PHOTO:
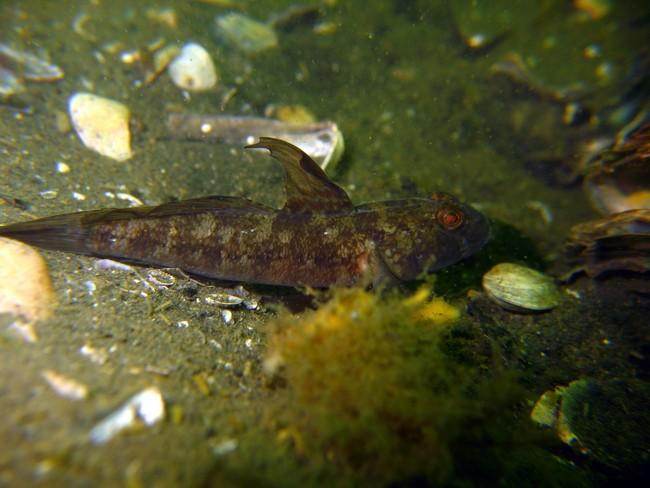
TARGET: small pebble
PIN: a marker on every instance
(97, 356)
(225, 447)
(604, 71)
(61, 167)
(193, 69)
(49, 194)
(592, 51)
(226, 316)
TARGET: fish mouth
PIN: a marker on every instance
(476, 236)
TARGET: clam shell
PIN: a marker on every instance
(521, 289)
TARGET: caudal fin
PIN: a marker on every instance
(58, 233)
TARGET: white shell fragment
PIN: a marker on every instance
(521, 289)
(25, 286)
(65, 386)
(146, 408)
(193, 69)
(102, 125)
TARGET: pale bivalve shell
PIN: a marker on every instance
(102, 125)
(193, 69)
(521, 289)
(25, 287)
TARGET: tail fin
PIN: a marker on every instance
(58, 233)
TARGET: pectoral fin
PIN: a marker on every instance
(307, 186)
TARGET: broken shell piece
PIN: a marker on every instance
(549, 411)
(617, 243)
(102, 125)
(65, 386)
(546, 409)
(17, 65)
(25, 287)
(146, 408)
(604, 419)
(193, 69)
(323, 141)
(161, 59)
(10, 83)
(244, 33)
(521, 289)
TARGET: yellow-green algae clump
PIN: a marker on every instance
(367, 391)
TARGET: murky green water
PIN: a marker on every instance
(419, 91)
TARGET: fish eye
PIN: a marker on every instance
(450, 218)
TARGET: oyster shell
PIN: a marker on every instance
(520, 288)
(617, 243)
(619, 180)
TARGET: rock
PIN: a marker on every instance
(193, 69)
(102, 125)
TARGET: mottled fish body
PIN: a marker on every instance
(317, 239)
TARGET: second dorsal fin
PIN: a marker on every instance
(307, 186)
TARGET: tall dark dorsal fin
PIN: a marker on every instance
(308, 187)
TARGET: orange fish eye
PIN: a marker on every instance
(450, 218)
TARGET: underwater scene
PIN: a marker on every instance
(328, 243)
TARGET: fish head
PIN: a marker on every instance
(459, 229)
(424, 235)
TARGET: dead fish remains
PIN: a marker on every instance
(317, 239)
(323, 141)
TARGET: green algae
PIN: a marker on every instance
(367, 390)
